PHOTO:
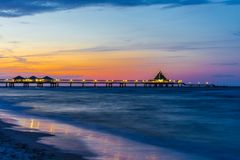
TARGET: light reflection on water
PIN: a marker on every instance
(86, 142)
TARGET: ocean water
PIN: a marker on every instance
(132, 123)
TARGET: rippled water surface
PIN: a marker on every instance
(171, 122)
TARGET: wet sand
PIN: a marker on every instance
(74, 143)
(19, 145)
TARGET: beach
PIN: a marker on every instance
(18, 145)
(123, 124)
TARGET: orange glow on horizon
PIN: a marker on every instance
(99, 65)
(102, 65)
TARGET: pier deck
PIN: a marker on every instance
(89, 83)
(160, 80)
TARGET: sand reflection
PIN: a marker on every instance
(79, 140)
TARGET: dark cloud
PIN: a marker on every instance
(232, 2)
(17, 8)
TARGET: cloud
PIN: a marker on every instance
(236, 34)
(226, 64)
(186, 46)
(6, 50)
(176, 56)
(14, 42)
(24, 22)
(20, 59)
(77, 68)
(224, 75)
(17, 8)
(232, 2)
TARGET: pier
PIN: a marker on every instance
(160, 80)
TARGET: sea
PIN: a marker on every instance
(130, 123)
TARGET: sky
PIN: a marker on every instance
(195, 41)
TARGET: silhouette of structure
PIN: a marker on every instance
(33, 78)
(18, 79)
(160, 80)
(160, 76)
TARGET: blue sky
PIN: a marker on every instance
(189, 40)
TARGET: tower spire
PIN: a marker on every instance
(160, 76)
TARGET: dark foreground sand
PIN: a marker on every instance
(18, 145)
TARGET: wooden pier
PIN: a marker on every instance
(90, 83)
(159, 81)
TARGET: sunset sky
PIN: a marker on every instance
(121, 39)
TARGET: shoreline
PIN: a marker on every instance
(51, 140)
(24, 145)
